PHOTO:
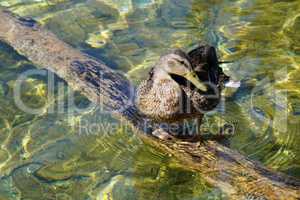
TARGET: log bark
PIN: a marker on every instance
(236, 175)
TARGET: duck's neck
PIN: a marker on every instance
(160, 74)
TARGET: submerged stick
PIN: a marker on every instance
(237, 176)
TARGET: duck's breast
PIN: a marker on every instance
(161, 101)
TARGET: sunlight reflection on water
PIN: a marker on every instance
(46, 152)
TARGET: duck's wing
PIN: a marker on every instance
(205, 62)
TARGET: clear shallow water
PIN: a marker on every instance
(45, 157)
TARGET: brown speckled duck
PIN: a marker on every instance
(181, 86)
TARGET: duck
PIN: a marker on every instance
(181, 86)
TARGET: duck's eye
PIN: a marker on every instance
(181, 62)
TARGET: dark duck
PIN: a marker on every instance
(181, 86)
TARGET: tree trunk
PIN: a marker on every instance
(233, 173)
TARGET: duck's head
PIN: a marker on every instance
(177, 63)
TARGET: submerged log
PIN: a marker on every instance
(236, 175)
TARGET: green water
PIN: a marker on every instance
(45, 156)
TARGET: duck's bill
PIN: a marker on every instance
(193, 78)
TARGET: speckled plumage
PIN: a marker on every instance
(160, 99)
